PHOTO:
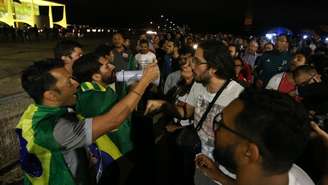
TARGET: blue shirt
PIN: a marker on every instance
(272, 63)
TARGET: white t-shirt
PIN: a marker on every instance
(200, 98)
(144, 59)
(274, 82)
(298, 177)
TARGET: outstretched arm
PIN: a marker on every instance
(112, 119)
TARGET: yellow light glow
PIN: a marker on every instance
(27, 11)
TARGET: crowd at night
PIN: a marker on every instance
(165, 101)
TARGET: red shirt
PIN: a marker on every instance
(245, 76)
(285, 86)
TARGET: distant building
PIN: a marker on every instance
(13, 12)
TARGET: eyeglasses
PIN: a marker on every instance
(198, 61)
(307, 82)
(220, 124)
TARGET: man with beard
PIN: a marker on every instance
(250, 55)
(213, 67)
(259, 136)
(169, 63)
(54, 141)
(95, 73)
(123, 60)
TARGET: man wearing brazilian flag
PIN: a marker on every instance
(95, 73)
(54, 143)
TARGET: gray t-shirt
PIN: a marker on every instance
(74, 138)
(172, 80)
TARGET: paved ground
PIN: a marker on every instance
(147, 164)
(14, 57)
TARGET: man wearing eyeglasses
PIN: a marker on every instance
(259, 136)
(312, 89)
(306, 75)
(212, 66)
(284, 82)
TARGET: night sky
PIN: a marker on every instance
(202, 15)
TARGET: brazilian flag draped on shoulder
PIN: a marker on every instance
(94, 100)
(40, 155)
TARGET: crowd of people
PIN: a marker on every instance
(259, 108)
(28, 33)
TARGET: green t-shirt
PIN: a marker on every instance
(94, 100)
